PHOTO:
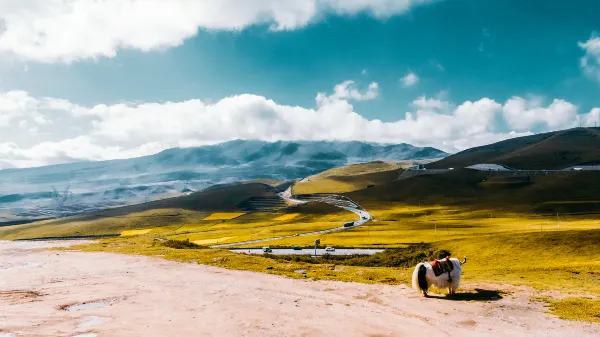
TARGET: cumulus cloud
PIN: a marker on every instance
(409, 80)
(430, 103)
(18, 106)
(523, 114)
(135, 129)
(590, 62)
(70, 30)
(592, 118)
(347, 91)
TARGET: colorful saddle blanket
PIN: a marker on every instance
(442, 266)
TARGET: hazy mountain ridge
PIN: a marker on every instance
(93, 185)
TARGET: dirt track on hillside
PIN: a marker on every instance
(118, 295)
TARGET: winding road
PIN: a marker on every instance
(331, 199)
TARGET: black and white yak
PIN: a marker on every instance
(442, 274)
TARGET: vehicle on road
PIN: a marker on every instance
(267, 250)
(349, 224)
(330, 249)
(296, 248)
(364, 217)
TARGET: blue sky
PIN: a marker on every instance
(481, 71)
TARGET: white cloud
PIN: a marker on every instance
(70, 30)
(80, 148)
(347, 91)
(590, 62)
(425, 103)
(18, 107)
(134, 129)
(410, 79)
(364, 72)
(592, 118)
(522, 114)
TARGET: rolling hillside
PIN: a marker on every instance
(28, 193)
(552, 150)
(568, 192)
(170, 214)
(349, 178)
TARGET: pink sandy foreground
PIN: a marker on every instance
(49, 293)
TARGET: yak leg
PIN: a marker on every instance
(451, 289)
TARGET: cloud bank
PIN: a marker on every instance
(71, 30)
(124, 130)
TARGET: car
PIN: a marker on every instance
(297, 248)
(364, 217)
(330, 249)
(267, 250)
(349, 224)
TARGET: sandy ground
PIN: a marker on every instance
(47, 293)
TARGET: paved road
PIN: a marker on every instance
(364, 217)
(309, 251)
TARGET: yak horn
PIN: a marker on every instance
(464, 261)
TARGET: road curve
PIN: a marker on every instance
(364, 217)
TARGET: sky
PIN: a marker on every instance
(110, 79)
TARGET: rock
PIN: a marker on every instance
(269, 267)
(300, 271)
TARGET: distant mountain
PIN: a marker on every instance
(552, 150)
(95, 185)
(5, 165)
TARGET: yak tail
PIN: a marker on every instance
(464, 261)
(419, 282)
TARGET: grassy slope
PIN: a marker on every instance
(553, 150)
(186, 218)
(349, 178)
(169, 213)
(566, 192)
(356, 169)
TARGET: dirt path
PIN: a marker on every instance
(140, 296)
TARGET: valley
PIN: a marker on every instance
(528, 237)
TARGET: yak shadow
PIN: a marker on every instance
(478, 295)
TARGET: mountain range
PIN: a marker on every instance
(86, 186)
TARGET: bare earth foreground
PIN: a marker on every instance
(50, 293)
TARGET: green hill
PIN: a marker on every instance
(568, 192)
(349, 178)
(552, 150)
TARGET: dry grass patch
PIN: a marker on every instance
(135, 232)
(286, 217)
(576, 308)
(223, 216)
(213, 241)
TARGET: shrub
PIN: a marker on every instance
(181, 244)
(442, 253)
